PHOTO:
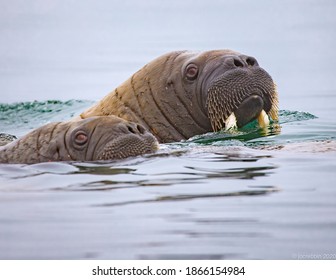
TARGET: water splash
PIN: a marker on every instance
(286, 116)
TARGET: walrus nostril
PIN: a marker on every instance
(141, 129)
(244, 61)
(136, 129)
(251, 61)
(131, 129)
(237, 62)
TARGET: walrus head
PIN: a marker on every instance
(182, 94)
(231, 88)
(106, 138)
(91, 139)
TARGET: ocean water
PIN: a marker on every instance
(252, 194)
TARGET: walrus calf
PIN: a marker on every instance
(92, 139)
(182, 94)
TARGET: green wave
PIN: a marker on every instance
(18, 118)
(286, 116)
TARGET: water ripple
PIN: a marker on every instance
(183, 197)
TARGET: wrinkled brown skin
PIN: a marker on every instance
(172, 107)
(92, 139)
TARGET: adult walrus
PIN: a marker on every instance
(182, 94)
(92, 139)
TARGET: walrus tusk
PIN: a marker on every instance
(231, 122)
(263, 119)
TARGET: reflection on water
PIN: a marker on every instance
(118, 174)
(226, 204)
(192, 196)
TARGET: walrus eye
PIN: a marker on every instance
(191, 71)
(81, 138)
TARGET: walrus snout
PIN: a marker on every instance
(132, 140)
(241, 94)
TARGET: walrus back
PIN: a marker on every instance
(33, 147)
